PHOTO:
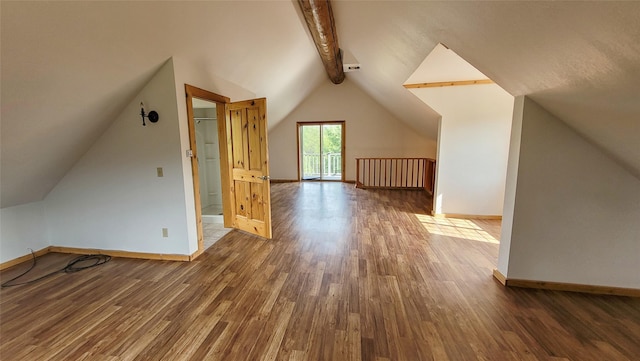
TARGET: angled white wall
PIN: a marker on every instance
(112, 199)
(371, 131)
(473, 146)
(510, 186)
(574, 210)
(22, 227)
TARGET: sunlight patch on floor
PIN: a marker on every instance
(459, 228)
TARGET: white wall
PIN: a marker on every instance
(575, 211)
(22, 227)
(510, 186)
(112, 198)
(473, 147)
(371, 131)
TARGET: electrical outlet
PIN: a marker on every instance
(160, 172)
(165, 232)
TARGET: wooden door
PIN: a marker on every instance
(250, 201)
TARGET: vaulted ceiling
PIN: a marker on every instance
(68, 68)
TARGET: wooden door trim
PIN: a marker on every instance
(220, 100)
(343, 148)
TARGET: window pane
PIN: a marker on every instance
(310, 144)
(332, 151)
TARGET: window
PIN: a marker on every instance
(321, 150)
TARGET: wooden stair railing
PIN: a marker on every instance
(396, 173)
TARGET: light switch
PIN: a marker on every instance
(160, 172)
(165, 232)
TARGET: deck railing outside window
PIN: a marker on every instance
(391, 173)
(331, 162)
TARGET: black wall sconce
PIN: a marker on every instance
(152, 116)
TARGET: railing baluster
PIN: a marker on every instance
(374, 172)
(385, 173)
(404, 172)
(390, 173)
(369, 183)
(412, 166)
(397, 173)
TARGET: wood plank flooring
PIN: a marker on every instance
(350, 275)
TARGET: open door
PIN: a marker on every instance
(248, 164)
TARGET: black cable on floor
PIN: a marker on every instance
(75, 265)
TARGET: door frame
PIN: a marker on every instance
(342, 146)
(220, 100)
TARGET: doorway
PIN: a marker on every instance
(207, 145)
(229, 164)
(205, 119)
(321, 151)
(204, 110)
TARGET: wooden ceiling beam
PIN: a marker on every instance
(448, 83)
(319, 18)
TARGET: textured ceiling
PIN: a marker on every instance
(68, 68)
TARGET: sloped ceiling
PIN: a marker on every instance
(69, 67)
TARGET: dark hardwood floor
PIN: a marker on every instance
(349, 275)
